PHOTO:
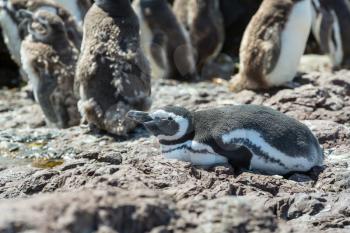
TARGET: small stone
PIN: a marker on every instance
(300, 178)
(88, 155)
(108, 170)
(112, 158)
(72, 165)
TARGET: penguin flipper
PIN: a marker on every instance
(43, 91)
(323, 29)
(157, 49)
(238, 156)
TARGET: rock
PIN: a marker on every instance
(87, 211)
(40, 179)
(336, 176)
(115, 210)
(109, 184)
(71, 165)
(111, 158)
(330, 134)
(229, 214)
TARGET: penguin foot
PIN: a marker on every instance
(235, 84)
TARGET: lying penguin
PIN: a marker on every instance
(246, 136)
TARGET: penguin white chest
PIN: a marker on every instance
(293, 42)
(193, 152)
(28, 68)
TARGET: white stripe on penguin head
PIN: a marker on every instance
(181, 121)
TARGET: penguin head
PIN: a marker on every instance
(152, 3)
(167, 124)
(115, 7)
(45, 26)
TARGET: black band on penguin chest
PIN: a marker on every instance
(181, 140)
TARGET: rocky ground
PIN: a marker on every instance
(75, 181)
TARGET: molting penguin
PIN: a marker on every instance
(273, 44)
(15, 29)
(204, 21)
(331, 28)
(165, 41)
(246, 136)
(113, 76)
(49, 59)
(77, 8)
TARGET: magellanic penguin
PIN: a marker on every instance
(331, 29)
(204, 21)
(113, 75)
(78, 8)
(49, 59)
(243, 136)
(15, 30)
(165, 41)
(273, 44)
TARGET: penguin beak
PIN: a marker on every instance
(139, 116)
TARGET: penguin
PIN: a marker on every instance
(77, 8)
(331, 29)
(49, 59)
(205, 24)
(242, 136)
(272, 44)
(15, 30)
(236, 15)
(165, 41)
(113, 75)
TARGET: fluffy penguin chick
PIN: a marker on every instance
(246, 136)
(165, 41)
(15, 29)
(113, 76)
(273, 44)
(49, 59)
(331, 28)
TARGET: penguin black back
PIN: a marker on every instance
(276, 127)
